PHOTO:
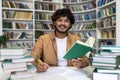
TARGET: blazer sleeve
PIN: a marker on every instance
(37, 50)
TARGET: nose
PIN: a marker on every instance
(62, 22)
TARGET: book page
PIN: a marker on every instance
(80, 42)
(90, 41)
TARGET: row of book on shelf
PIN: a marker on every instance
(76, 1)
(19, 44)
(16, 25)
(12, 4)
(84, 26)
(84, 35)
(46, 6)
(52, 6)
(19, 35)
(78, 26)
(17, 62)
(43, 25)
(83, 7)
(86, 16)
(108, 22)
(108, 34)
(42, 16)
(78, 17)
(38, 5)
(103, 2)
(107, 63)
(17, 14)
(107, 12)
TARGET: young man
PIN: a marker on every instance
(51, 48)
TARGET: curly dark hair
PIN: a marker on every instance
(63, 12)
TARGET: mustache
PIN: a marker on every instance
(62, 25)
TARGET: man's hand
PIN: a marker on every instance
(77, 62)
(42, 67)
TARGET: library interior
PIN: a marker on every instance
(26, 24)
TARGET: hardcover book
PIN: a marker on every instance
(79, 49)
(8, 66)
(26, 58)
(105, 76)
(12, 51)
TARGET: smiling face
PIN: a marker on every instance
(62, 24)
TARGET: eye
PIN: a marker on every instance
(67, 21)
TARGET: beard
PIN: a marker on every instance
(62, 31)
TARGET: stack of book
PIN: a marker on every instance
(107, 63)
(17, 62)
(11, 53)
(24, 75)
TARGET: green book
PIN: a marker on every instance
(79, 49)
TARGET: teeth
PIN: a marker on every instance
(62, 26)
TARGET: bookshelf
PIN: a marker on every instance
(84, 12)
(42, 19)
(85, 17)
(25, 20)
(17, 22)
(106, 22)
(87, 22)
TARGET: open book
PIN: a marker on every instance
(79, 49)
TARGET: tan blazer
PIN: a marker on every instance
(46, 48)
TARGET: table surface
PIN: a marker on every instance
(60, 73)
(65, 73)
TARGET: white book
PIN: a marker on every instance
(7, 64)
(97, 64)
(15, 69)
(21, 74)
(108, 70)
(110, 53)
(105, 76)
(113, 47)
(102, 67)
(107, 54)
(23, 79)
(3, 57)
(110, 48)
(13, 51)
(26, 58)
(31, 69)
(105, 59)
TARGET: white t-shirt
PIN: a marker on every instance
(61, 50)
